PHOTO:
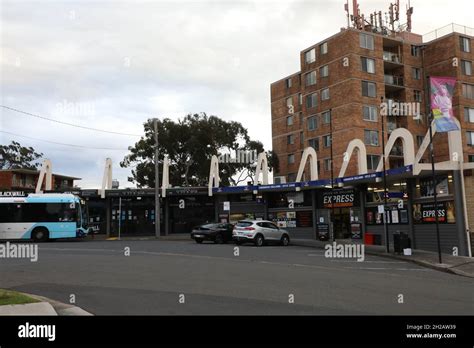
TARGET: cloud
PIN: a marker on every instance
(117, 63)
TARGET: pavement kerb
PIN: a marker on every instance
(438, 267)
(62, 309)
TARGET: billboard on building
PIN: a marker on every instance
(442, 91)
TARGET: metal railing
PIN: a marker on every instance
(448, 29)
(393, 80)
(392, 57)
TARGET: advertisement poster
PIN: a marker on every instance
(442, 90)
(426, 213)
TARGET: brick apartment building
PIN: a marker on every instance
(25, 180)
(344, 78)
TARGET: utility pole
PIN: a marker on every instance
(332, 181)
(157, 182)
(385, 193)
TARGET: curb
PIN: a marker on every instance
(37, 308)
(438, 267)
(62, 309)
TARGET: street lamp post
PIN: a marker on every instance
(385, 215)
(157, 182)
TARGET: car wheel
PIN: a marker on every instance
(285, 240)
(219, 239)
(259, 240)
(199, 241)
(40, 235)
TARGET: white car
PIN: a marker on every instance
(259, 232)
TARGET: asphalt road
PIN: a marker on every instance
(154, 277)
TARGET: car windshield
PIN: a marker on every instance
(209, 226)
(244, 224)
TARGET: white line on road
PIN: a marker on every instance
(390, 269)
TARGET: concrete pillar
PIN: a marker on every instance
(459, 209)
(313, 210)
(411, 196)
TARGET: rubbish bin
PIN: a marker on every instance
(368, 239)
(401, 241)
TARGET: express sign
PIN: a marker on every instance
(339, 198)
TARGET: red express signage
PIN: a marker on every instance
(339, 199)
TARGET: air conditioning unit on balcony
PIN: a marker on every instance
(279, 179)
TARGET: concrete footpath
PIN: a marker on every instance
(46, 306)
(459, 265)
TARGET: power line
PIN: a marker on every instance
(68, 124)
(64, 144)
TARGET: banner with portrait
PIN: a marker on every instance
(442, 91)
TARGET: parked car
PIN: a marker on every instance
(218, 233)
(259, 232)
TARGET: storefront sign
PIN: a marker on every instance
(356, 231)
(13, 194)
(323, 231)
(339, 199)
(426, 212)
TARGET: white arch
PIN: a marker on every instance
(407, 143)
(165, 181)
(361, 157)
(213, 174)
(313, 164)
(106, 178)
(262, 167)
(45, 171)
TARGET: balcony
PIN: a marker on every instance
(392, 57)
(397, 151)
(393, 83)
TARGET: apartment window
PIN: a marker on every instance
(415, 51)
(468, 91)
(327, 164)
(470, 138)
(466, 67)
(366, 41)
(369, 89)
(323, 48)
(301, 138)
(311, 100)
(290, 139)
(370, 113)
(470, 158)
(326, 116)
(324, 71)
(417, 96)
(325, 94)
(312, 123)
(372, 162)
(300, 114)
(288, 82)
(469, 115)
(314, 143)
(419, 139)
(291, 158)
(289, 121)
(310, 56)
(465, 44)
(310, 78)
(371, 137)
(416, 72)
(300, 99)
(326, 140)
(368, 65)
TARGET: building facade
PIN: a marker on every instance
(346, 79)
(25, 180)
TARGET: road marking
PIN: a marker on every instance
(389, 269)
(355, 260)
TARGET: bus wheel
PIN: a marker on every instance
(40, 234)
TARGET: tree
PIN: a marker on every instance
(15, 156)
(189, 143)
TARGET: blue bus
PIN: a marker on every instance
(43, 216)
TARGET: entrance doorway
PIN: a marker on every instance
(342, 223)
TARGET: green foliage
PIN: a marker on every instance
(190, 143)
(15, 156)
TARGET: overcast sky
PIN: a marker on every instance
(113, 64)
